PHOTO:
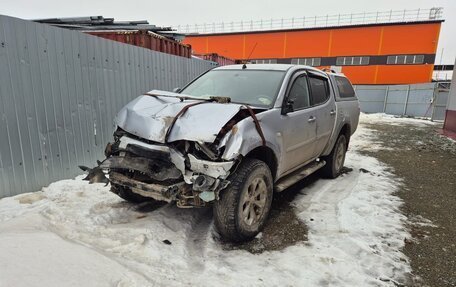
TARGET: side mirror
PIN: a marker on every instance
(177, 90)
(288, 106)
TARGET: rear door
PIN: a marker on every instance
(322, 100)
(299, 127)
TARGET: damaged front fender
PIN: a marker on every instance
(244, 136)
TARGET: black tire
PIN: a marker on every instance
(232, 212)
(333, 166)
(126, 194)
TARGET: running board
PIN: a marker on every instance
(297, 175)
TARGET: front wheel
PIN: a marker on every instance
(335, 160)
(243, 207)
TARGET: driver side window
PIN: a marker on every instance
(298, 96)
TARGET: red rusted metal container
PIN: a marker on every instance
(222, 61)
(146, 39)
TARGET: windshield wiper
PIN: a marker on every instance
(220, 100)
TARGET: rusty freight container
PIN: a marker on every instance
(145, 39)
(214, 57)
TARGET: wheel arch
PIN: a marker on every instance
(267, 155)
(346, 131)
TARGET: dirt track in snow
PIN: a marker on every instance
(427, 164)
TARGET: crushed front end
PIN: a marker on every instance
(189, 173)
(171, 148)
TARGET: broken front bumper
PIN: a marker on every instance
(160, 192)
(163, 173)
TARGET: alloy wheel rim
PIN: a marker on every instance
(254, 201)
(340, 156)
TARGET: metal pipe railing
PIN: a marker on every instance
(390, 16)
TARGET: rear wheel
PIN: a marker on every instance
(243, 207)
(335, 160)
(126, 194)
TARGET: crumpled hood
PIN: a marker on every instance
(150, 117)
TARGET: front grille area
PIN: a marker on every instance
(147, 165)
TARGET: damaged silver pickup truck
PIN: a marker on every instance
(229, 139)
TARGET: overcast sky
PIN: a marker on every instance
(175, 12)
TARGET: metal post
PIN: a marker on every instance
(386, 98)
(406, 100)
(434, 99)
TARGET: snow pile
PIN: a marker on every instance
(396, 120)
(76, 234)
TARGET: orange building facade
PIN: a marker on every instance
(398, 53)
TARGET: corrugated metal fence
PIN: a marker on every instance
(59, 92)
(419, 100)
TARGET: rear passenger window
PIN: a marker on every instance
(299, 93)
(345, 88)
(320, 90)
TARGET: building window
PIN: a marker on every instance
(265, 61)
(314, 62)
(352, 61)
(405, 59)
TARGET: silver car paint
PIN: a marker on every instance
(149, 117)
(244, 137)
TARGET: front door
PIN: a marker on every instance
(299, 124)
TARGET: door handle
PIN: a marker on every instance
(311, 119)
(332, 112)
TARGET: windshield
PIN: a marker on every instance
(252, 87)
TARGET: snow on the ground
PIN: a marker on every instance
(76, 234)
(396, 120)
